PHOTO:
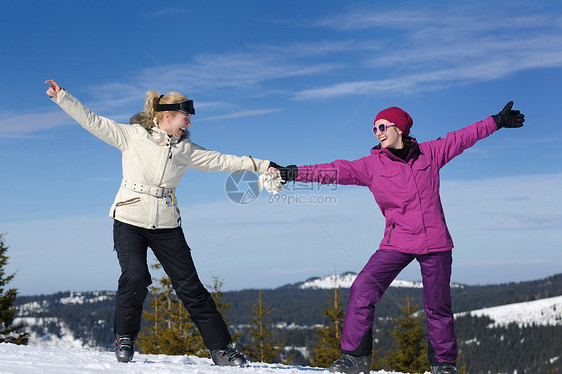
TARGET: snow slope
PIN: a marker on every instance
(50, 360)
(64, 340)
(543, 312)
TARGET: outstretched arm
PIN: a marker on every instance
(111, 132)
(344, 172)
(444, 150)
(206, 160)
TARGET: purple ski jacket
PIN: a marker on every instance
(407, 192)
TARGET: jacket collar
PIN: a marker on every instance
(414, 152)
(162, 138)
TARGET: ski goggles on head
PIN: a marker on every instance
(382, 127)
(185, 106)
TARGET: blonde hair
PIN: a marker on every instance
(152, 100)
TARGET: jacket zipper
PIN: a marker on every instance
(390, 233)
(421, 210)
(168, 157)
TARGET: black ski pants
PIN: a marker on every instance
(171, 249)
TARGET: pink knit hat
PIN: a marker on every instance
(399, 117)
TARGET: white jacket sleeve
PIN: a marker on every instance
(111, 132)
(205, 160)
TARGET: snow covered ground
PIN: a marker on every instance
(543, 312)
(51, 360)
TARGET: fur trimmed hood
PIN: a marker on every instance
(143, 119)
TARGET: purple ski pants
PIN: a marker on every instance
(371, 283)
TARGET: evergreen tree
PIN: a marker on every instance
(327, 347)
(263, 347)
(149, 339)
(410, 354)
(216, 292)
(461, 364)
(378, 359)
(8, 332)
(169, 328)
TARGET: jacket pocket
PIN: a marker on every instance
(390, 232)
(128, 202)
(421, 163)
(132, 201)
(389, 173)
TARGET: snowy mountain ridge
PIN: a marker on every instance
(345, 280)
(73, 299)
(542, 312)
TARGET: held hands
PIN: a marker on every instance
(508, 117)
(287, 173)
(276, 176)
(54, 89)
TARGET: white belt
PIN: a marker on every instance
(149, 190)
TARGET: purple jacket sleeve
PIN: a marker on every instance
(337, 172)
(444, 150)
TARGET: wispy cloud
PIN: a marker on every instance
(475, 68)
(223, 75)
(320, 48)
(248, 113)
(518, 204)
(443, 48)
(238, 70)
(16, 125)
(438, 48)
(366, 19)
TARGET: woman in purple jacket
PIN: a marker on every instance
(403, 176)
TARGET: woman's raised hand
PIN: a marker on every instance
(508, 117)
(54, 89)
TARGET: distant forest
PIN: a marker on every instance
(531, 349)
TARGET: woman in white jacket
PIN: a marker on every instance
(156, 153)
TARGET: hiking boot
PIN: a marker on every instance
(228, 357)
(444, 369)
(350, 364)
(124, 347)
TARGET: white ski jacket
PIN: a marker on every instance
(153, 164)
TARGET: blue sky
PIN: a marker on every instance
(290, 81)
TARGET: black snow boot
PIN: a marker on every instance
(228, 357)
(444, 369)
(124, 347)
(350, 364)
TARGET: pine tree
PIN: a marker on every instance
(410, 354)
(8, 332)
(263, 347)
(169, 329)
(461, 364)
(149, 339)
(378, 360)
(327, 347)
(216, 293)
